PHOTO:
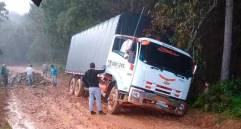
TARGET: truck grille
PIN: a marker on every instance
(163, 89)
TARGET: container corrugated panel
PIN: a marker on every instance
(94, 44)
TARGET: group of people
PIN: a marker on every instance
(91, 77)
(53, 73)
(4, 74)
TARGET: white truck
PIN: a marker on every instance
(139, 70)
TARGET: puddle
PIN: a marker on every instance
(15, 117)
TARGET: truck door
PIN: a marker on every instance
(121, 61)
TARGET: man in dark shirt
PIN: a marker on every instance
(94, 90)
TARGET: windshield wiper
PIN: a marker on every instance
(152, 67)
(182, 75)
(178, 75)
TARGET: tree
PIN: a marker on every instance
(3, 12)
(3, 16)
(60, 19)
(186, 17)
(227, 40)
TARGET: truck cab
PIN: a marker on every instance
(147, 72)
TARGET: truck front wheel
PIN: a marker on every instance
(79, 88)
(72, 86)
(113, 104)
(181, 109)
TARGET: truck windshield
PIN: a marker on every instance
(166, 59)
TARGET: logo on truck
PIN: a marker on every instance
(115, 64)
(167, 79)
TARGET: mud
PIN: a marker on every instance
(47, 107)
(3, 122)
(19, 78)
(16, 118)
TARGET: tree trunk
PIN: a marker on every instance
(132, 5)
(227, 40)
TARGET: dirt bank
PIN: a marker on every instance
(3, 123)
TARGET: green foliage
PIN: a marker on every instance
(223, 97)
(185, 16)
(58, 20)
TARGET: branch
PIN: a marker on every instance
(196, 29)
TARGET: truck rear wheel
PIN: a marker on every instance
(113, 104)
(72, 86)
(79, 88)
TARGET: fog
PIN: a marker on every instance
(22, 42)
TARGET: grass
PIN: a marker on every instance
(223, 97)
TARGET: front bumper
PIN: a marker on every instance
(141, 97)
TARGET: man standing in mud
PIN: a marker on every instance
(4, 75)
(94, 90)
(29, 72)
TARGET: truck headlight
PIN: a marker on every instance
(136, 93)
(182, 107)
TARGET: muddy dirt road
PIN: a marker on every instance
(46, 107)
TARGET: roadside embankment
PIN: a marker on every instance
(3, 123)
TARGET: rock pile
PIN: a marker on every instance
(20, 79)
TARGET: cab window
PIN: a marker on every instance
(125, 48)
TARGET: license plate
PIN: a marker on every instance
(157, 97)
(149, 96)
(162, 104)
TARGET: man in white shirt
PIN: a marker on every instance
(29, 71)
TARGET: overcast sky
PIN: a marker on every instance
(18, 6)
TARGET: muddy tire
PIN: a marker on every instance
(182, 112)
(105, 98)
(72, 84)
(79, 88)
(113, 104)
